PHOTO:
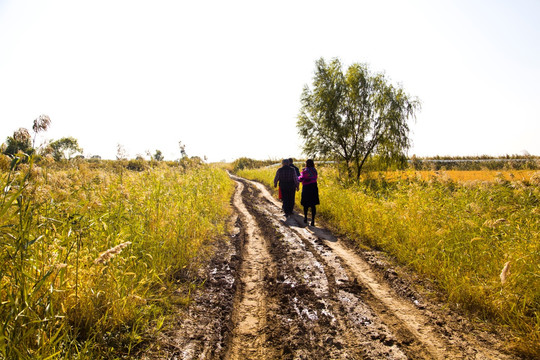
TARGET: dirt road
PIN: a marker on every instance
(283, 290)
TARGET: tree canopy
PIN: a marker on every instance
(64, 148)
(158, 156)
(350, 117)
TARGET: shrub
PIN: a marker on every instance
(137, 165)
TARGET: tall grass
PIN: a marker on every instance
(90, 256)
(478, 240)
(461, 175)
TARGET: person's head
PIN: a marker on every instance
(310, 163)
(290, 161)
(285, 162)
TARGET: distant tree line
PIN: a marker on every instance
(483, 162)
(436, 163)
(247, 163)
(21, 146)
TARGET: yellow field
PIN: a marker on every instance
(461, 175)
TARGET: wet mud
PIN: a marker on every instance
(282, 290)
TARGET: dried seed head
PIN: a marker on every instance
(505, 272)
(41, 123)
(21, 135)
(111, 253)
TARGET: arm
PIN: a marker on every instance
(305, 176)
(276, 178)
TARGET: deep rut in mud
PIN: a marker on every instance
(283, 290)
(251, 306)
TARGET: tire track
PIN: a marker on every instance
(250, 307)
(354, 330)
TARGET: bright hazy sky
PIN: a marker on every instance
(225, 77)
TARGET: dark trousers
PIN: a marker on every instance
(288, 192)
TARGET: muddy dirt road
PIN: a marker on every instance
(284, 290)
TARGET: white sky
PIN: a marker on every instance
(225, 77)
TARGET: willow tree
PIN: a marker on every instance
(353, 116)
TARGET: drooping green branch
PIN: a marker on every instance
(354, 116)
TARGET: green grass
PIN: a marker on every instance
(90, 257)
(459, 234)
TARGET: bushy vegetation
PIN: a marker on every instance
(22, 143)
(92, 252)
(247, 163)
(479, 241)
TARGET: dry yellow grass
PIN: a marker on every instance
(89, 253)
(461, 175)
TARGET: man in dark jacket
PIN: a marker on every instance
(294, 167)
(288, 182)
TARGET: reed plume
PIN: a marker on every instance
(504, 272)
(111, 253)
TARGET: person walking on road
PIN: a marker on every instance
(288, 183)
(310, 191)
